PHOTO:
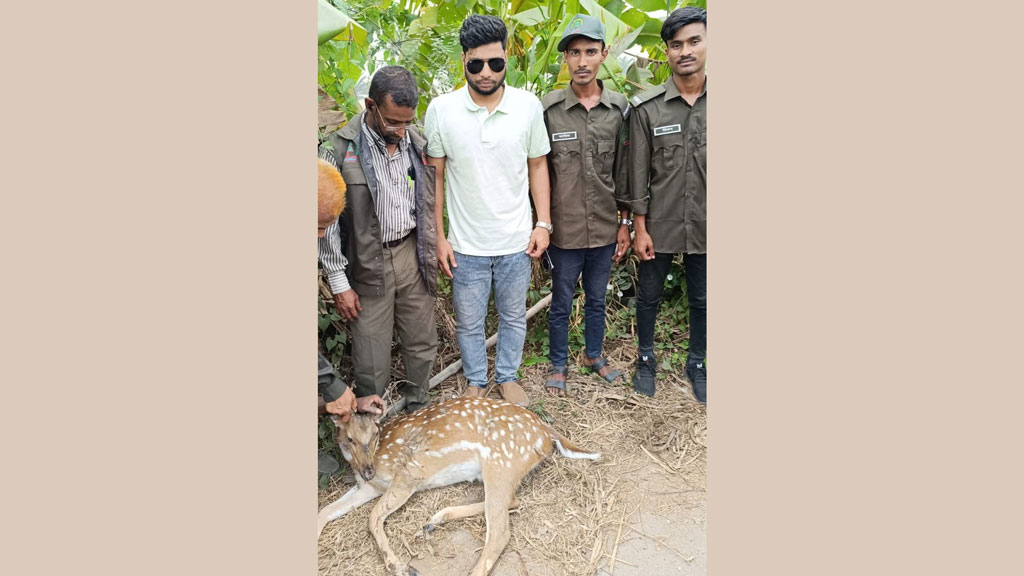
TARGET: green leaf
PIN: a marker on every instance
(634, 18)
(613, 27)
(531, 17)
(323, 322)
(651, 5)
(534, 360)
(334, 24)
(614, 6)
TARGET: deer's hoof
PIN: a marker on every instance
(401, 570)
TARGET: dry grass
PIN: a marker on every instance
(571, 512)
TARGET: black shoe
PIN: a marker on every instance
(326, 464)
(643, 379)
(698, 377)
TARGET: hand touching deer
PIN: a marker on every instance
(457, 440)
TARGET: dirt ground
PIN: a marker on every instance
(638, 510)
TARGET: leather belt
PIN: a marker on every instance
(395, 243)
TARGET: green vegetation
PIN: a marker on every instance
(357, 38)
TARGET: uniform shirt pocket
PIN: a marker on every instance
(605, 156)
(566, 158)
(668, 151)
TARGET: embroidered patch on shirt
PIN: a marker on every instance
(350, 153)
(662, 130)
(562, 136)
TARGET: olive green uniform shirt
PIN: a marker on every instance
(668, 155)
(587, 166)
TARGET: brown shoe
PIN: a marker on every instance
(513, 392)
(474, 391)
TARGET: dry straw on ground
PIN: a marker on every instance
(572, 512)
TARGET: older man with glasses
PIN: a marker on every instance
(489, 145)
(381, 255)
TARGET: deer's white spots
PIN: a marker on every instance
(400, 441)
(503, 432)
(447, 426)
(440, 435)
(462, 413)
(527, 436)
(458, 425)
(540, 442)
(522, 449)
(383, 456)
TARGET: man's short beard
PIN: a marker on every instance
(497, 85)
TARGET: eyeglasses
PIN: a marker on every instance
(389, 127)
(476, 65)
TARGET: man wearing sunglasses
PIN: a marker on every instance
(489, 145)
(587, 125)
(381, 255)
(668, 153)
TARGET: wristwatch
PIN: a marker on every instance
(626, 222)
(544, 225)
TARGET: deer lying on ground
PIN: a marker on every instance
(457, 440)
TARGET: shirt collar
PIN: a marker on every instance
(571, 99)
(473, 106)
(379, 141)
(672, 92)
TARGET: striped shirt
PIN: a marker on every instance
(395, 204)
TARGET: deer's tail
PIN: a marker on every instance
(570, 450)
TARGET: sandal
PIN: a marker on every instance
(598, 365)
(558, 385)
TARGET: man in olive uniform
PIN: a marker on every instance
(589, 180)
(668, 153)
(381, 255)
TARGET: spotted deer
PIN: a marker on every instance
(458, 440)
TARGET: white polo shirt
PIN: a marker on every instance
(487, 185)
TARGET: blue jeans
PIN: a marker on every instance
(471, 291)
(595, 264)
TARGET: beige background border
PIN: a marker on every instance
(158, 303)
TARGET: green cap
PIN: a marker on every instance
(581, 25)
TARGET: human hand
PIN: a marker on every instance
(445, 256)
(644, 246)
(621, 244)
(347, 304)
(372, 404)
(343, 406)
(539, 240)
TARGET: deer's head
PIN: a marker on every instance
(358, 439)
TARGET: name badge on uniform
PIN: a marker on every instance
(662, 130)
(562, 136)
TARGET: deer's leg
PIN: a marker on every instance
(397, 494)
(498, 495)
(456, 512)
(352, 499)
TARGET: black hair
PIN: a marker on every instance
(398, 82)
(681, 17)
(478, 30)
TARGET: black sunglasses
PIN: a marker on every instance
(476, 65)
